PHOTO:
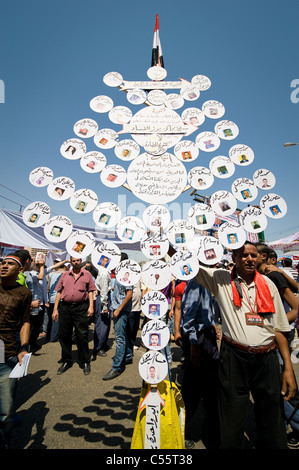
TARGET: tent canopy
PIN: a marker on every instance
(14, 231)
(288, 243)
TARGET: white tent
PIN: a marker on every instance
(13, 231)
(288, 243)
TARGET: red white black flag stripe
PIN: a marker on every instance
(157, 56)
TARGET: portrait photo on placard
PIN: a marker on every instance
(154, 304)
(264, 179)
(83, 201)
(241, 155)
(80, 244)
(201, 216)
(273, 205)
(231, 235)
(253, 220)
(36, 214)
(41, 176)
(58, 228)
(155, 335)
(106, 215)
(153, 367)
(61, 188)
(106, 255)
(128, 272)
(73, 149)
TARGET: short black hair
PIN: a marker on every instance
(235, 251)
(287, 262)
(23, 255)
(272, 254)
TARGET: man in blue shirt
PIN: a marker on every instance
(121, 305)
(195, 327)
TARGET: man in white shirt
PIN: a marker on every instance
(253, 325)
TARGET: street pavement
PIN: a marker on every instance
(74, 411)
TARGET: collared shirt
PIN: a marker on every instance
(233, 318)
(197, 310)
(118, 296)
(15, 303)
(75, 289)
(103, 283)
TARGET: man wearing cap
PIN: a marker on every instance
(74, 304)
(15, 302)
(253, 325)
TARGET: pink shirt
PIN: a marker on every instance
(75, 290)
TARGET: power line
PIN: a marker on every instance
(15, 192)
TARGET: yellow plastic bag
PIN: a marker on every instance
(172, 418)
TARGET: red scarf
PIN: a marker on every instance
(264, 299)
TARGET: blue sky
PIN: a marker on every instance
(54, 56)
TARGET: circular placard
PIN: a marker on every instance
(244, 190)
(193, 116)
(80, 244)
(41, 176)
(222, 167)
(36, 214)
(156, 97)
(155, 335)
(61, 188)
(113, 176)
(130, 229)
(85, 128)
(107, 255)
(136, 96)
(120, 115)
(58, 228)
(231, 235)
(106, 215)
(184, 265)
(174, 101)
(154, 246)
(213, 109)
(210, 250)
(186, 151)
(127, 149)
(200, 178)
(273, 205)
(93, 162)
(153, 367)
(207, 141)
(201, 82)
(157, 179)
(83, 201)
(264, 179)
(73, 149)
(190, 92)
(241, 154)
(156, 217)
(226, 130)
(201, 216)
(113, 79)
(154, 305)
(180, 232)
(156, 274)
(156, 73)
(106, 138)
(253, 220)
(101, 104)
(128, 272)
(223, 203)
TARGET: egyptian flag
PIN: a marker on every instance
(157, 56)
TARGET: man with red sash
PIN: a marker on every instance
(253, 326)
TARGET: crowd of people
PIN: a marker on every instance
(235, 323)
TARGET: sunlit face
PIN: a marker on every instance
(246, 260)
(9, 269)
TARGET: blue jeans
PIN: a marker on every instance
(7, 393)
(123, 350)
